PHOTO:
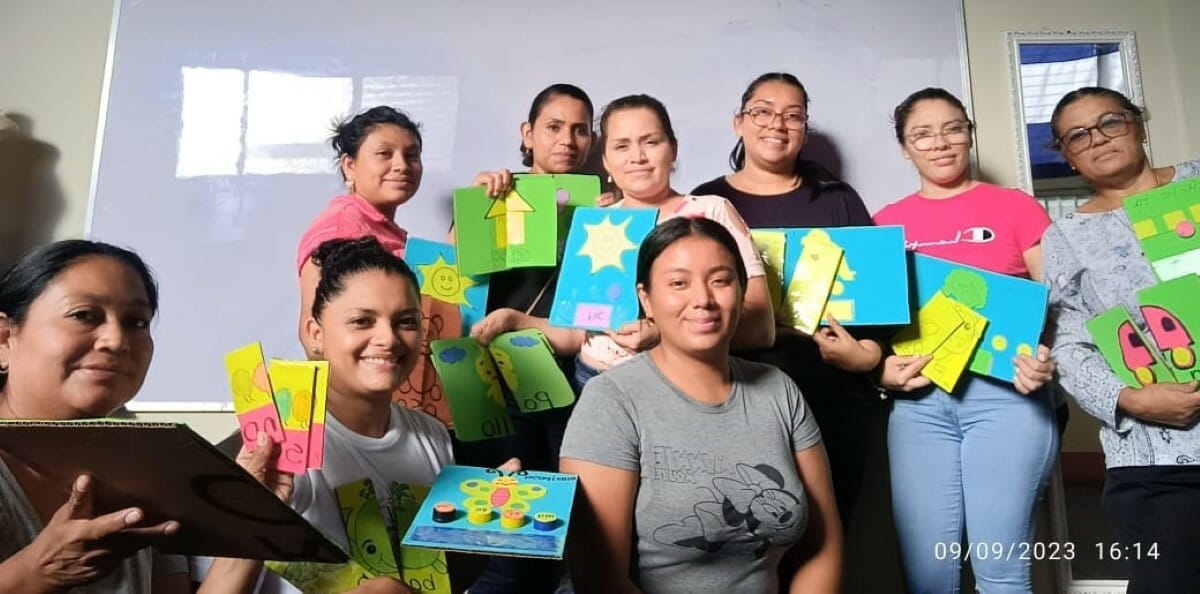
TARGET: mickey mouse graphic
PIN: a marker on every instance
(751, 513)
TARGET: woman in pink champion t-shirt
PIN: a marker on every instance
(976, 458)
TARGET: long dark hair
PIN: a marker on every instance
(28, 278)
(818, 177)
(544, 97)
(340, 258)
(672, 230)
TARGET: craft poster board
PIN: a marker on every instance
(771, 245)
(1172, 316)
(597, 286)
(470, 488)
(517, 230)
(253, 398)
(422, 389)
(301, 389)
(871, 285)
(529, 371)
(473, 391)
(372, 546)
(571, 190)
(1134, 360)
(171, 473)
(807, 287)
(946, 329)
(1015, 309)
(1165, 222)
(435, 265)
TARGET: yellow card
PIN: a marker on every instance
(811, 283)
(250, 387)
(949, 331)
(295, 384)
(770, 246)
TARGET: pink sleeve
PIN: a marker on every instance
(1030, 222)
(723, 212)
(342, 223)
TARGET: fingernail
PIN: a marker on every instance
(133, 517)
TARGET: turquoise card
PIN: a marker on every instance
(597, 280)
(438, 277)
(871, 286)
(484, 510)
(1015, 309)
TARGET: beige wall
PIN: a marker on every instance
(55, 53)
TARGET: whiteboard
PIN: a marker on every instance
(211, 155)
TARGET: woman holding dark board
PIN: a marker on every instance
(1093, 261)
(75, 344)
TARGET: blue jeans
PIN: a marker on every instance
(981, 457)
(583, 373)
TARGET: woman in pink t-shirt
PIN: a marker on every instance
(979, 456)
(379, 156)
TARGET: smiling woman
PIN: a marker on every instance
(685, 414)
(74, 344)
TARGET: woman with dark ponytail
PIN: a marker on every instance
(773, 186)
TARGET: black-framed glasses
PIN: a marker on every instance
(1110, 125)
(764, 116)
(925, 139)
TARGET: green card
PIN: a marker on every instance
(1172, 317)
(527, 365)
(1134, 360)
(424, 570)
(1165, 222)
(366, 532)
(472, 386)
(517, 230)
(576, 189)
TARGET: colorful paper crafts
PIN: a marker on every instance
(1165, 220)
(524, 514)
(475, 377)
(372, 546)
(808, 286)
(771, 247)
(946, 329)
(422, 390)
(1015, 309)
(1132, 358)
(439, 278)
(1167, 351)
(597, 286)
(517, 230)
(297, 404)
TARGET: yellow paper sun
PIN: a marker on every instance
(606, 243)
(444, 283)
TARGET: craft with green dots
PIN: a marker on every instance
(1015, 309)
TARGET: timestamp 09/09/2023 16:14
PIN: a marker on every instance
(1042, 551)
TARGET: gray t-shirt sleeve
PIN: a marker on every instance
(602, 428)
(805, 432)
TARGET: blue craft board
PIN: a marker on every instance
(421, 253)
(1014, 307)
(597, 281)
(873, 277)
(462, 485)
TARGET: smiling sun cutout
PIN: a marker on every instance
(606, 243)
(443, 282)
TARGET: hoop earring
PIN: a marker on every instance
(3, 370)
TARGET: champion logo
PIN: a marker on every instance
(968, 235)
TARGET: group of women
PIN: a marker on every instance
(698, 470)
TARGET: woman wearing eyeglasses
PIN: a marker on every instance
(979, 456)
(1093, 262)
(773, 186)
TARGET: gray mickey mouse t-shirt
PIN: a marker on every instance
(719, 500)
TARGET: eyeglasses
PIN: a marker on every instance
(1109, 125)
(765, 116)
(954, 133)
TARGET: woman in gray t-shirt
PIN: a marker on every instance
(698, 471)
